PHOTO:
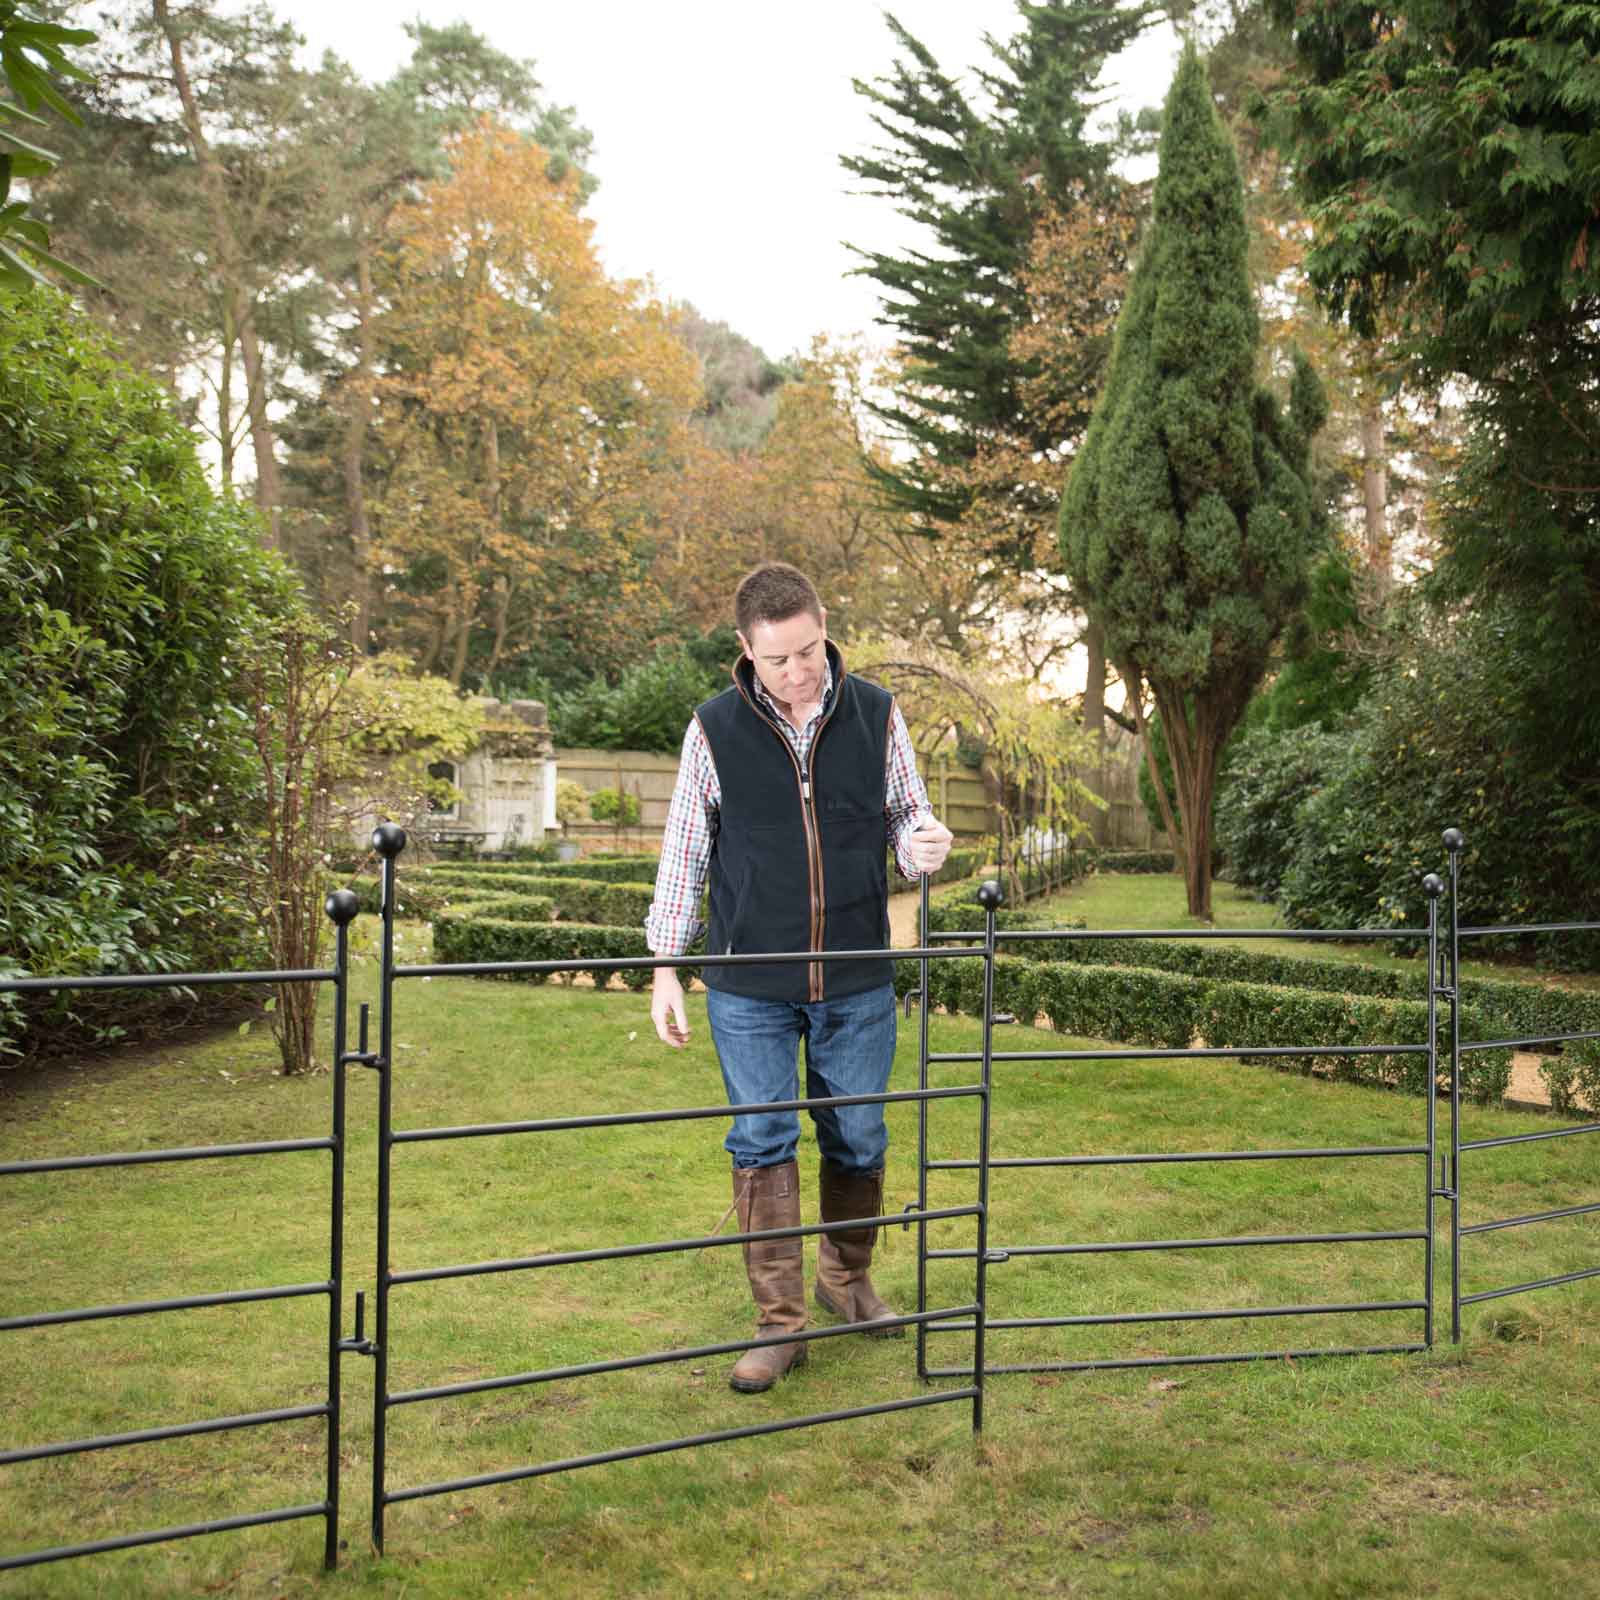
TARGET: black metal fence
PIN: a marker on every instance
(972, 1318)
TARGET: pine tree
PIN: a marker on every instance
(1189, 523)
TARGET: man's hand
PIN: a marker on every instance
(929, 844)
(667, 1010)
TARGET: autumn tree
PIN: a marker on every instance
(1189, 523)
(524, 416)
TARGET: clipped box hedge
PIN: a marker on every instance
(1142, 861)
(612, 904)
(1502, 1008)
(475, 938)
(501, 908)
(1169, 1010)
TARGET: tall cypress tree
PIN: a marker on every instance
(1189, 522)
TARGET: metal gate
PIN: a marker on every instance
(342, 908)
(972, 1318)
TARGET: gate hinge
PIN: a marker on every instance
(996, 1258)
(1444, 1194)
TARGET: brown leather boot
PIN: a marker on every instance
(769, 1197)
(843, 1286)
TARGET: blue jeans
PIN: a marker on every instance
(849, 1050)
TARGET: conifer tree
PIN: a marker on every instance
(1189, 523)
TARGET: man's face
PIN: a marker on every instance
(789, 657)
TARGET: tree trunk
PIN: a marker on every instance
(1168, 821)
(236, 296)
(1194, 751)
(1375, 491)
(269, 493)
(225, 404)
(1094, 719)
(357, 419)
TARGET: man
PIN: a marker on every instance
(794, 784)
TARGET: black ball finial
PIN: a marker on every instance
(990, 895)
(1433, 886)
(388, 839)
(1454, 840)
(342, 906)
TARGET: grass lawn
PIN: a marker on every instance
(1466, 1471)
(1156, 900)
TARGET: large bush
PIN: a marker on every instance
(128, 593)
(650, 704)
(1443, 741)
(1270, 776)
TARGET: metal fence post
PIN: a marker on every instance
(923, 1006)
(1453, 843)
(990, 896)
(341, 907)
(1433, 887)
(388, 840)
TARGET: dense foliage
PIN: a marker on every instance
(130, 592)
(1189, 524)
(1441, 742)
(1270, 776)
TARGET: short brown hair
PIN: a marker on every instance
(773, 592)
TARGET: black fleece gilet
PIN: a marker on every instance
(799, 861)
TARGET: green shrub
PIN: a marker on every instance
(1258, 801)
(616, 905)
(1502, 1008)
(1142, 861)
(1454, 734)
(484, 939)
(1575, 1072)
(610, 805)
(603, 869)
(131, 593)
(499, 908)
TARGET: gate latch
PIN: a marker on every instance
(359, 1345)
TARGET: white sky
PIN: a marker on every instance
(718, 126)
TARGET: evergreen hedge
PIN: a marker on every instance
(1169, 1010)
(473, 938)
(1504, 1008)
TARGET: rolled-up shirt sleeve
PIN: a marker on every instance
(905, 801)
(673, 923)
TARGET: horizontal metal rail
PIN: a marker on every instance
(1001, 1252)
(472, 969)
(1537, 927)
(631, 1118)
(623, 1252)
(587, 1369)
(1533, 1216)
(1069, 935)
(1119, 1318)
(182, 1430)
(141, 1158)
(1114, 1363)
(1522, 1288)
(187, 1530)
(166, 980)
(634, 1452)
(143, 1308)
(1177, 1157)
(1138, 1053)
(1529, 1138)
(1522, 1044)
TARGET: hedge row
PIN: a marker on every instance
(611, 904)
(600, 869)
(1506, 1008)
(1169, 1010)
(1134, 861)
(501, 939)
(502, 908)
